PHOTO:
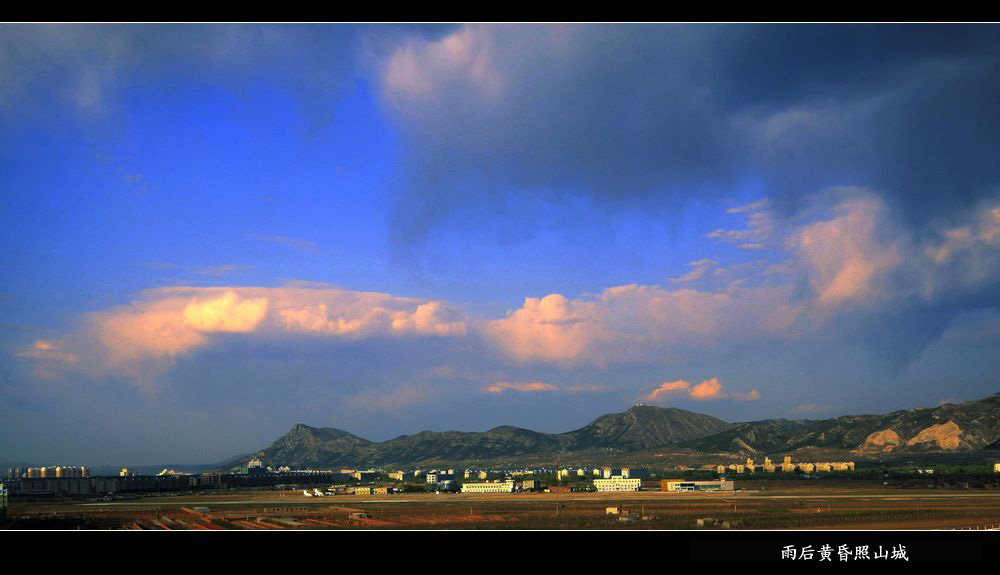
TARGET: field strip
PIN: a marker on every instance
(512, 498)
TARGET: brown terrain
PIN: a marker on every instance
(759, 505)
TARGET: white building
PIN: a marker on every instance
(633, 472)
(489, 487)
(678, 485)
(618, 483)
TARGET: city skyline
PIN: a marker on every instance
(214, 232)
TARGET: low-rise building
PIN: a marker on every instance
(531, 485)
(679, 485)
(618, 483)
(489, 487)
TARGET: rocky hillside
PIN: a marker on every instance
(643, 427)
(970, 425)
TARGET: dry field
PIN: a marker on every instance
(760, 505)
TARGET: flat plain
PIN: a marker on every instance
(767, 504)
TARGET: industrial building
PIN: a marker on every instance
(618, 483)
(679, 485)
(489, 487)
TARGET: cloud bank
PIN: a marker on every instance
(660, 116)
(846, 272)
(707, 390)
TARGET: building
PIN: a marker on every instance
(566, 473)
(439, 477)
(618, 483)
(531, 485)
(3, 502)
(680, 485)
(209, 480)
(633, 472)
(996, 468)
(256, 467)
(609, 472)
(489, 487)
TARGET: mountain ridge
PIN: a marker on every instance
(968, 426)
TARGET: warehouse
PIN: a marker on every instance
(676, 485)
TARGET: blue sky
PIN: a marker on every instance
(212, 233)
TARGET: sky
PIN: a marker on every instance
(212, 233)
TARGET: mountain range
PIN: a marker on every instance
(964, 427)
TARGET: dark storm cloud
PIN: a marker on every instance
(656, 116)
(45, 69)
